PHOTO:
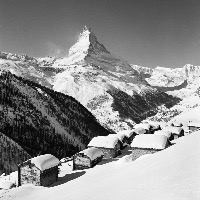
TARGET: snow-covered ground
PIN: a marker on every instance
(169, 174)
(185, 117)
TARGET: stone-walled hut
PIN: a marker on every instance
(122, 137)
(176, 131)
(145, 126)
(168, 134)
(109, 145)
(139, 130)
(40, 171)
(148, 144)
(194, 126)
(130, 134)
(87, 158)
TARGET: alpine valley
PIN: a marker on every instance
(57, 105)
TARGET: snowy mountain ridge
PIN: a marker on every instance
(180, 82)
(185, 70)
(115, 93)
(94, 76)
(87, 50)
(88, 44)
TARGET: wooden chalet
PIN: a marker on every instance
(154, 126)
(145, 126)
(177, 124)
(122, 137)
(139, 130)
(130, 134)
(87, 158)
(168, 134)
(162, 124)
(194, 125)
(176, 131)
(148, 144)
(186, 129)
(40, 171)
(109, 145)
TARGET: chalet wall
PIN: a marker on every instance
(84, 162)
(137, 152)
(30, 174)
(49, 176)
(193, 128)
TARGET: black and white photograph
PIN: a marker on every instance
(99, 99)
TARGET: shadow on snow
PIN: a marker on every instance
(67, 178)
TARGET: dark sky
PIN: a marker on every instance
(144, 32)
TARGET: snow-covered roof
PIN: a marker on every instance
(139, 130)
(194, 123)
(46, 161)
(178, 124)
(163, 132)
(173, 129)
(104, 141)
(128, 133)
(162, 124)
(92, 153)
(150, 141)
(146, 126)
(170, 124)
(154, 124)
(185, 128)
(120, 136)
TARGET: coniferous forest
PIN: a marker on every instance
(41, 120)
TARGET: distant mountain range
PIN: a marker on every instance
(56, 105)
(117, 94)
(179, 82)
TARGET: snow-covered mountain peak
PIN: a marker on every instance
(87, 43)
(89, 51)
(87, 34)
(191, 69)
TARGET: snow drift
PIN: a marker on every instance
(170, 174)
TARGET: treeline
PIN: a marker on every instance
(139, 106)
(11, 154)
(42, 120)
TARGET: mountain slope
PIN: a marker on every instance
(11, 154)
(42, 120)
(87, 50)
(180, 82)
(107, 85)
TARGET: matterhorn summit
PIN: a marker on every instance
(87, 50)
(87, 44)
(106, 84)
